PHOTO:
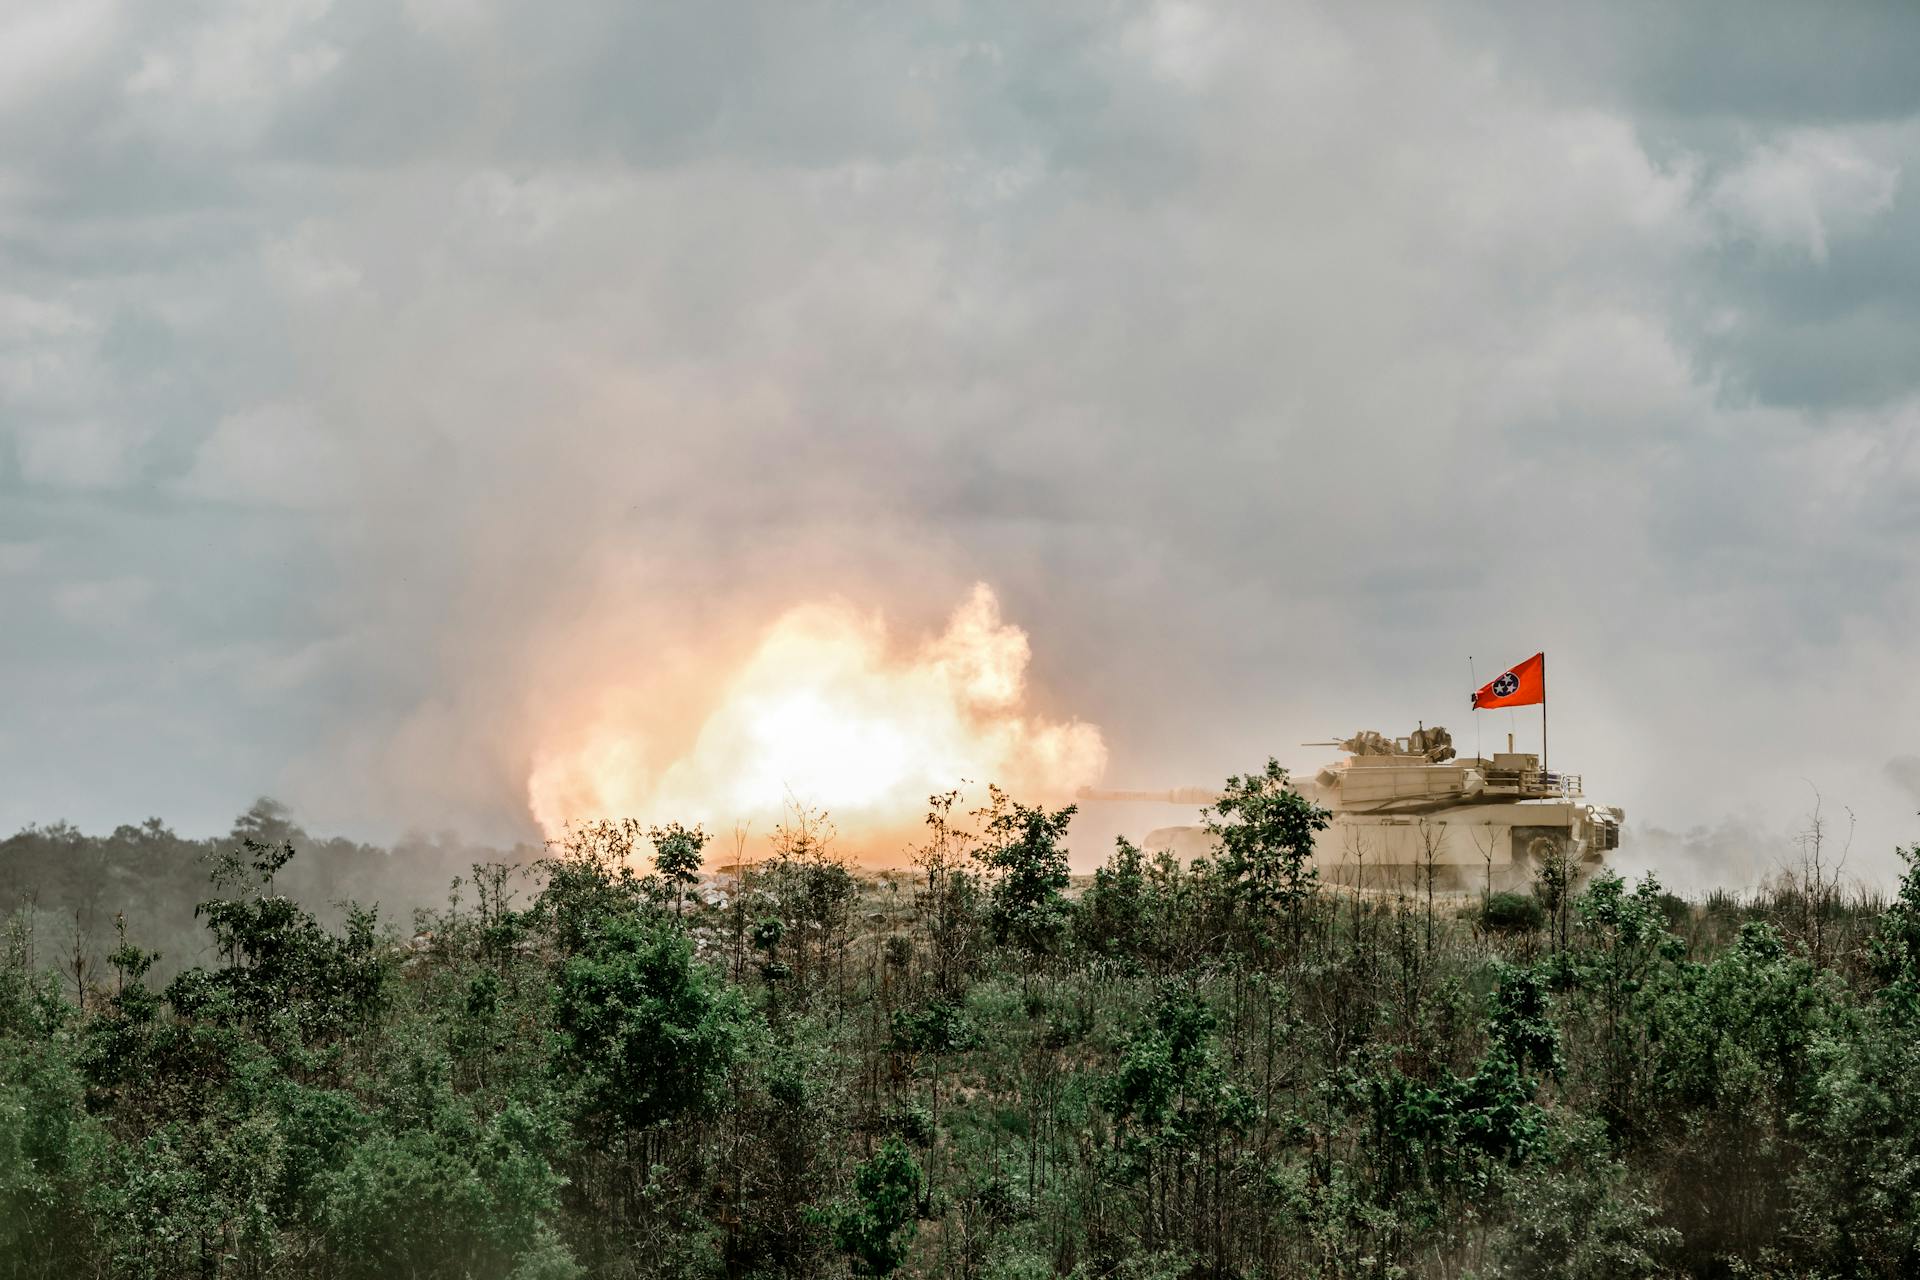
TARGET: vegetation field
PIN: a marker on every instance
(601, 1061)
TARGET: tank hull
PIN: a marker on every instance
(1409, 813)
(1492, 848)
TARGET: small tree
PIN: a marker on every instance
(1022, 850)
(1113, 913)
(1173, 1100)
(589, 879)
(1625, 942)
(949, 904)
(1811, 892)
(280, 962)
(1553, 884)
(649, 1032)
(876, 1228)
(937, 1029)
(1264, 831)
(1894, 952)
(808, 887)
(1486, 839)
(946, 841)
(647, 1038)
(1433, 841)
(676, 856)
(80, 966)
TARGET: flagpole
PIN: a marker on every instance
(1473, 678)
(1543, 714)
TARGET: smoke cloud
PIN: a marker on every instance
(401, 401)
(1733, 855)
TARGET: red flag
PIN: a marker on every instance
(1520, 686)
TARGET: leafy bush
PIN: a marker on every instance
(649, 1034)
(877, 1225)
(1513, 913)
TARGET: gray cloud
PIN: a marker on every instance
(428, 362)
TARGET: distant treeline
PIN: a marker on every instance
(75, 885)
(598, 1065)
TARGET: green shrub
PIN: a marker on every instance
(650, 1033)
(1513, 913)
(876, 1227)
(49, 1149)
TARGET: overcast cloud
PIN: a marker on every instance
(375, 378)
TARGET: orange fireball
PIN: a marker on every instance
(827, 713)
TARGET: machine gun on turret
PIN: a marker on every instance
(1435, 744)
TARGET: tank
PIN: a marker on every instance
(1406, 808)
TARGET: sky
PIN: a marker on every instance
(383, 384)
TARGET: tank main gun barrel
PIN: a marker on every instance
(1174, 795)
